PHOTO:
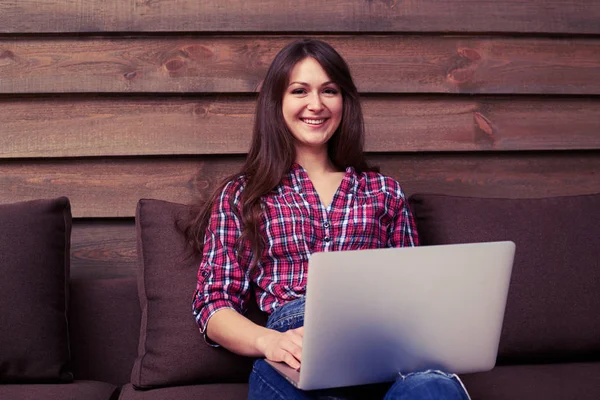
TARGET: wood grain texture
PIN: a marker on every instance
(113, 126)
(103, 248)
(551, 16)
(112, 187)
(237, 64)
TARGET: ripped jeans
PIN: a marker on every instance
(267, 384)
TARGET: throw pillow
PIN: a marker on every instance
(171, 349)
(34, 260)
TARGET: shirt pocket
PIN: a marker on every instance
(369, 220)
(287, 226)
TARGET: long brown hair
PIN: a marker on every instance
(272, 150)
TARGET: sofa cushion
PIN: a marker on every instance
(221, 391)
(78, 390)
(34, 260)
(171, 349)
(553, 301)
(548, 382)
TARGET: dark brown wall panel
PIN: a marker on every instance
(50, 127)
(112, 188)
(382, 64)
(103, 248)
(556, 16)
(166, 112)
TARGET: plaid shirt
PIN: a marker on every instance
(368, 211)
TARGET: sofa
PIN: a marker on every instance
(135, 338)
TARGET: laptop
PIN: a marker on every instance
(372, 314)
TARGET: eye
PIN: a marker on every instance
(299, 91)
(331, 91)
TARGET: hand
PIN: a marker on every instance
(285, 347)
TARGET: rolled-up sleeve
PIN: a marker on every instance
(403, 230)
(223, 280)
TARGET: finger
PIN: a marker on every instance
(291, 361)
(293, 349)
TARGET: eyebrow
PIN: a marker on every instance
(306, 84)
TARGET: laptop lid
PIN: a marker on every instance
(371, 314)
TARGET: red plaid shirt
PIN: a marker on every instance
(368, 211)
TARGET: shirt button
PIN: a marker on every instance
(326, 224)
(326, 239)
(205, 273)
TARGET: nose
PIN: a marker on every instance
(314, 103)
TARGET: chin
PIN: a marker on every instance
(314, 143)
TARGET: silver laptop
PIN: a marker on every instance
(371, 314)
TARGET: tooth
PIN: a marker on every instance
(314, 121)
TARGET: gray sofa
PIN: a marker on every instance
(135, 338)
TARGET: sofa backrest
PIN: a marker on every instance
(551, 313)
(553, 302)
(104, 327)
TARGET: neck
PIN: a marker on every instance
(315, 162)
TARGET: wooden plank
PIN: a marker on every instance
(237, 64)
(103, 248)
(112, 187)
(548, 16)
(75, 127)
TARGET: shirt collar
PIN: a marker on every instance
(297, 178)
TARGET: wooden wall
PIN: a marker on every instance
(110, 101)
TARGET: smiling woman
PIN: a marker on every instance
(303, 183)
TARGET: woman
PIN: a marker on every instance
(305, 187)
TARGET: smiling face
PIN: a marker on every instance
(312, 106)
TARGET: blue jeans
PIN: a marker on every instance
(267, 384)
